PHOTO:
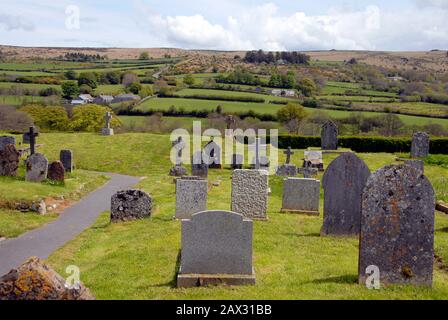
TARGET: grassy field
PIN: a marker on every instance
(19, 100)
(209, 92)
(138, 260)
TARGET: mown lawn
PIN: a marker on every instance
(138, 260)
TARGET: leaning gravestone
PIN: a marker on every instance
(397, 226)
(329, 136)
(250, 193)
(130, 205)
(191, 196)
(9, 161)
(5, 140)
(301, 196)
(420, 145)
(198, 167)
(66, 157)
(36, 168)
(216, 249)
(56, 171)
(343, 184)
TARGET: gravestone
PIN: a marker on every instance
(5, 140)
(420, 145)
(287, 169)
(237, 161)
(9, 161)
(198, 167)
(212, 155)
(417, 164)
(130, 205)
(397, 226)
(107, 130)
(343, 183)
(30, 138)
(36, 168)
(301, 196)
(178, 170)
(216, 249)
(250, 193)
(191, 196)
(329, 136)
(56, 171)
(313, 159)
(260, 160)
(66, 157)
(308, 173)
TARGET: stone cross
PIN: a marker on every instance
(108, 118)
(288, 154)
(33, 135)
(180, 145)
(230, 120)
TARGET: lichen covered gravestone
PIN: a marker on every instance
(313, 159)
(34, 280)
(216, 249)
(107, 130)
(56, 171)
(397, 226)
(250, 193)
(301, 196)
(329, 136)
(198, 167)
(417, 164)
(130, 205)
(5, 140)
(191, 196)
(66, 157)
(343, 183)
(9, 161)
(36, 168)
(420, 145)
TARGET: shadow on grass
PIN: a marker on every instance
(442, 229)
(307, 235)
(346, 279)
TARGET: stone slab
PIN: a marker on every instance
(301, 196)
(191, 196)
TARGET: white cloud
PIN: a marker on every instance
(11, 22)
(433, 3)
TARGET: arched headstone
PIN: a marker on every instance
(397, 226)
(343, 183)
(36, 168)
(329, 136)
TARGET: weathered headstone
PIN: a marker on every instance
(56, 171)
(35, 280)
(260, 160)
(397, 226)
(107, 130)
(417, 164)
(420, 145)
(198, 167)
(288, 154)
(308, 173)
(36, 168)
(9, 161)
(130, 205)
(237, 161)
(178, 171)
(329, 136)
(216, 249)
(287, 170)
(301, 196)
(66, 157)
(212, 155)
(343, 183)
(313, 159)
(5, 140)
(191, 196)
(250, 193)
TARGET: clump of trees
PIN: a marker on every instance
(82, 57)
(275, 57)
(13, 120)
(291, 116)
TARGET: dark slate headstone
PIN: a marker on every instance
(130, 205)
(66, 157)
(56, 171)
(237, 161)
(397, 226)
(329, 136)
(5, 140)
(343, 183)
(198, 167)
(212, 155)
(9, 161)
(420, 145)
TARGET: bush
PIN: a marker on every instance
(90, 118)
(47, 92)
(52, 118)
(13, 120)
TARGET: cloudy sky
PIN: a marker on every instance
(227, 24)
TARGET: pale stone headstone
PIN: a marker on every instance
(130, 205)
(5, 140)
(36, 168)
(107, 130)
(343, 183)
(216, 249)
(250, 193)
(397, 226)
(9, 160)
(329, 136)
(301, 196)
(66, 157)
(420, 145)
(191, 196)
(313, 159)
(56, 171)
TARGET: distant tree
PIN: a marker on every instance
(189, 80)
(112, 77)
(70, 75)
(70, 89)
(85, 89)
(144, 56)
(352, 61)
(48, 118)
(51, 91)
(219, 109)
(88, 78)
(308, 87)
(129, 79)
(145, 91)
(134, 88)
(291, 115)
(13, 120)
(90, 118)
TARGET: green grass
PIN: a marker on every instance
(19, 100)
(137, 260)
(28, 85)
(209, 92)
(14, 223)
(110, 89)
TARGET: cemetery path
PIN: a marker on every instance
(50, 237)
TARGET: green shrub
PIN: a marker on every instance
(53, 118)
(90, 118)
